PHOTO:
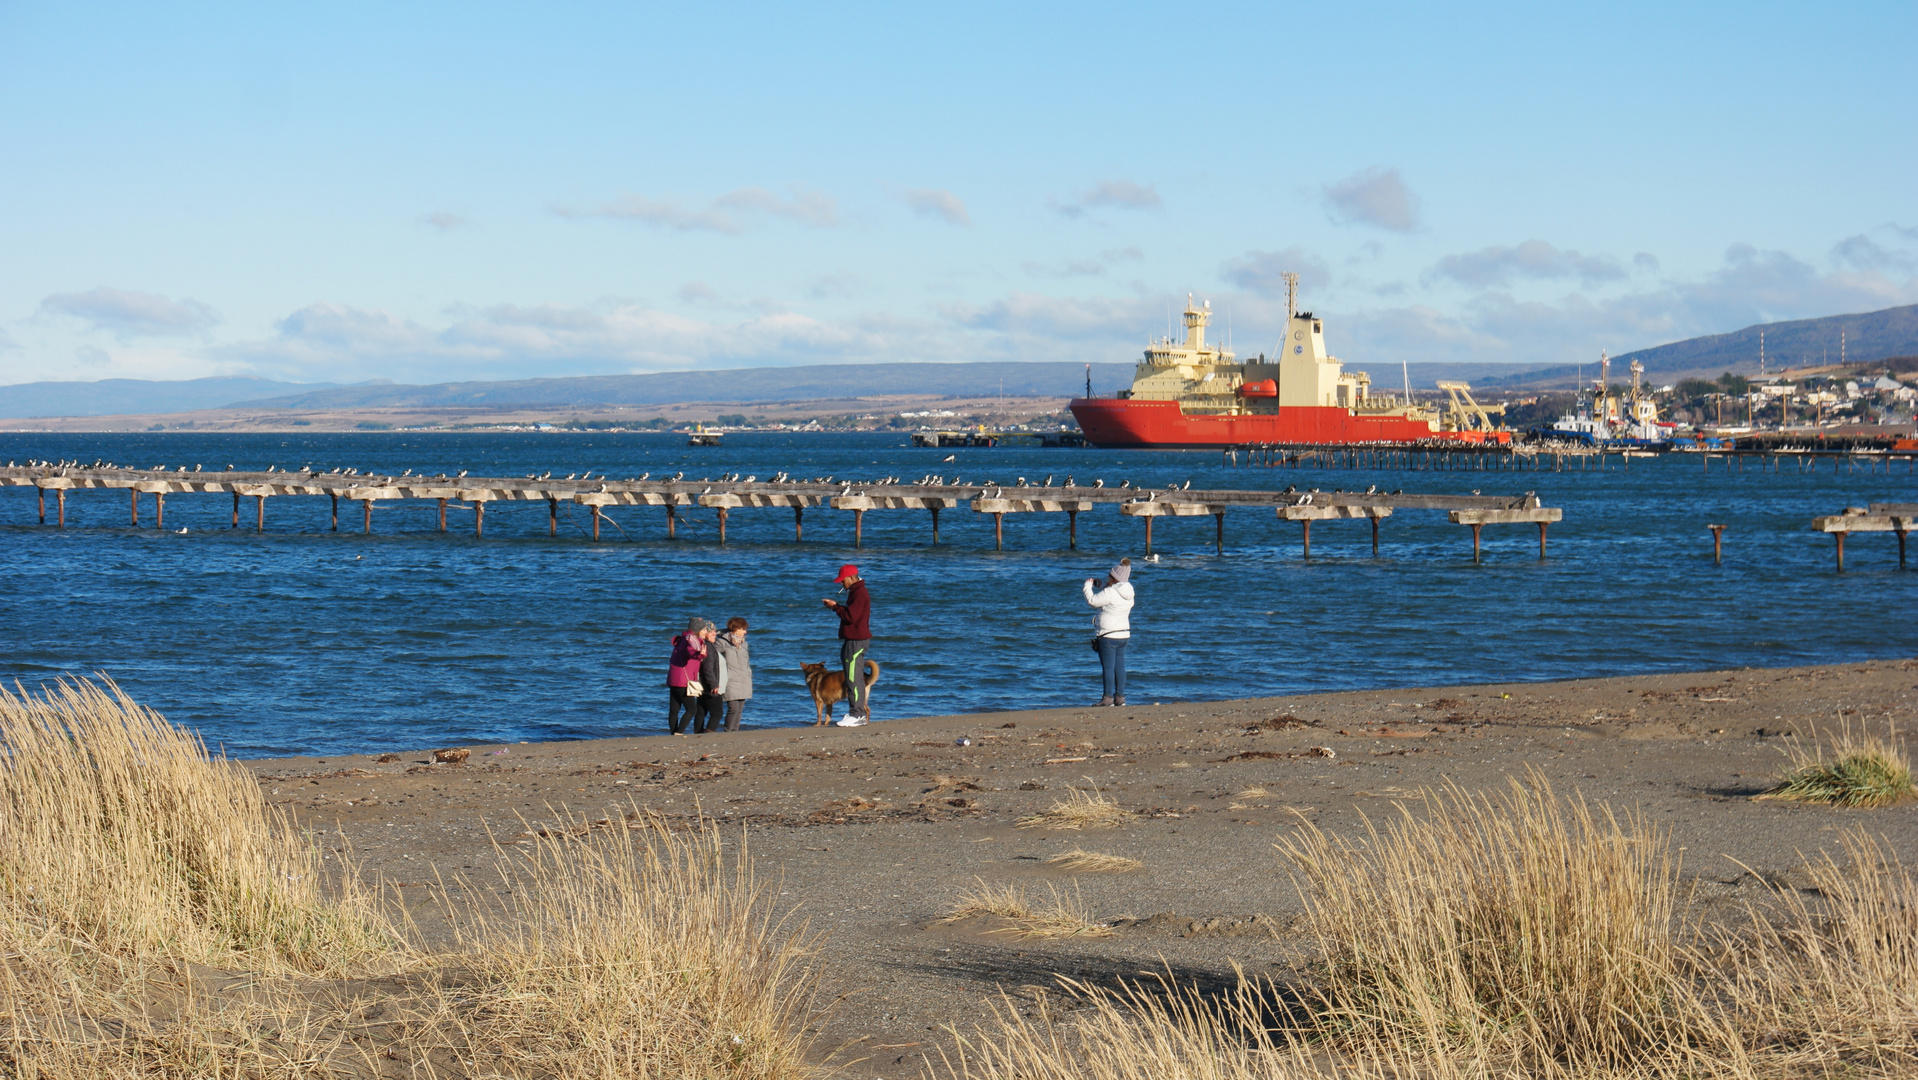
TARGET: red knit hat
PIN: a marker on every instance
(846, 571)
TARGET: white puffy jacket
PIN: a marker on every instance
(1114, 619)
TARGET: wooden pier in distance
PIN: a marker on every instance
(731, 493)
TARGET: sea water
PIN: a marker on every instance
(306, 640)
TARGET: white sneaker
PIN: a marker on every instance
(851, 721)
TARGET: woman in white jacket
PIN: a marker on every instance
(1113, 628)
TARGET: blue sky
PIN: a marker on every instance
(434, 191)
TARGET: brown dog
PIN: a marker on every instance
(829, 688)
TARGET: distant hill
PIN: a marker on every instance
(114, 397)
(812, 382)
(1874, 335)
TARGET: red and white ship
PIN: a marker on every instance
(1191, 396)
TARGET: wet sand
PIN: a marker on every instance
(870, 834)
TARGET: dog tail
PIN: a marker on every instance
(872, 667)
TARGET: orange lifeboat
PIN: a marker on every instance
(1264, 388)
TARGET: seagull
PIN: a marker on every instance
(1049, 479)
(462, 472)
(1475, 491)
(569, 476)
(1098, 483)
(1373, 490)
(408, 472)
(1305, 501)
(181, 531)
(752, 478)
(1070, 482)
(1187, 487)
(642, 476)
(1123, 484)
(1154, 557)
(949, 457)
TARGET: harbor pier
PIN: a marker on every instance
(731, 493)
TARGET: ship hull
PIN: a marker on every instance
(1118, 423)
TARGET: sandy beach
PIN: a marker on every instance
(871, 835)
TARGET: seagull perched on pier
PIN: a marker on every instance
(1289, 489)
(462, 472)
(1049, 479)
(569, 476)
(680, 475)
(1098, 483)
(1124, 484)
(1475, 491)
(643, 475)
(1305, 500)
(1373, 490)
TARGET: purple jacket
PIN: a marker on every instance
(688, 651)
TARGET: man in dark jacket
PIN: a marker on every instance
(855, 638)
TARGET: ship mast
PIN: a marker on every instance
(1291, 294)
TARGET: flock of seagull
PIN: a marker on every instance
(846, 487)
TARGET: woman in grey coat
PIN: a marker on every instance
(739, 670)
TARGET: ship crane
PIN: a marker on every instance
(1464, 413)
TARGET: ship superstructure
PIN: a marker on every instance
(1194, 394)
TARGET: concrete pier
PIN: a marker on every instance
(724, 496)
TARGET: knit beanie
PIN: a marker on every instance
(1121, 572)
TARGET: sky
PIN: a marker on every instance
(425, 192)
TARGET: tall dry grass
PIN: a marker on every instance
(119, 834)
(1514, 925)
(157, 919)
(630, 953)
(1518, 936)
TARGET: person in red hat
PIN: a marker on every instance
(855, 637)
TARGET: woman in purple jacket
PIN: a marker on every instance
(689, 650)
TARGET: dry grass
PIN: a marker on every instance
(1861, 770)
(1080, 809)
(1253, 793)
(1518, 927)
(1080, 861)
(1518, 937)
(158, 920)
(1059, 915)
(119, 834)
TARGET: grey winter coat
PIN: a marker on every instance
(739, 669)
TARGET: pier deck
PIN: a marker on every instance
(726, 495)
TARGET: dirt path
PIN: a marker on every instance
(857, 833)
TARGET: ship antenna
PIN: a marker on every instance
(1291, 294)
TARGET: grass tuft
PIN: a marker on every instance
(1079, 810)
(157, 919)
(1860, 770)
(118, 831)
(1533, 928)
(1080, 861)
(1059, 915)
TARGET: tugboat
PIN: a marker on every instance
(1190, 395)
(1602, 418)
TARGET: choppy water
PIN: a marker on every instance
(303, 640)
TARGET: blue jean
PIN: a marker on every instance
(1112, 665)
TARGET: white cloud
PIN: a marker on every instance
(1083, 267)
(1494, 266)
(827, 286)
(1113, 194)
(127, 314)
(1750, 287)
(934, 203)
(729, 213)
(1259, 271)
(1373, 197)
